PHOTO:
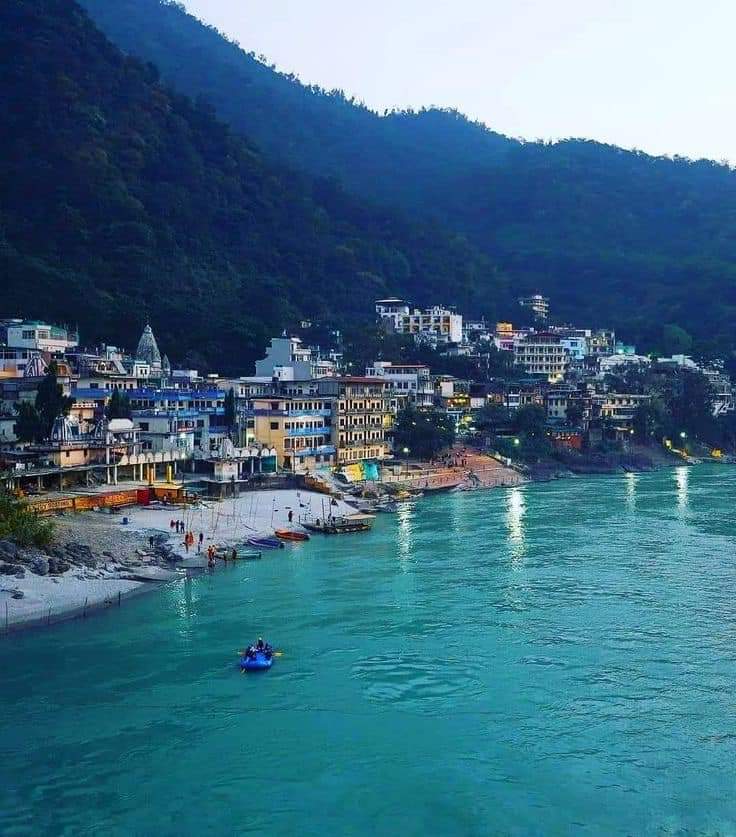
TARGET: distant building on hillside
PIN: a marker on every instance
(39, 336)
(436, 324)
(537, 304)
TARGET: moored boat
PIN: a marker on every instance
(265, 542)
(341, 525)
(291, 535)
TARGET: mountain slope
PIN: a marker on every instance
(401, 158)
(121, 201)
(612, 236)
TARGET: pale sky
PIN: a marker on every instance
(651, 74)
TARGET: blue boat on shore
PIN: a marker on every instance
(265, 542)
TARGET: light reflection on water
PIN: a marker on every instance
(559, 695)
(405, 530)
(515, 510)
(682, 479)
(631, 481)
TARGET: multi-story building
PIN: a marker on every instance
(34, 334)
(542, 354)
(299, 428)
(408, 383)
(602, 342)
(391, 311)
(435, 325)
(287, 359)
(537, 304)
(619, 407)
(361, 417)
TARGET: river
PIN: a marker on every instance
(547, 659)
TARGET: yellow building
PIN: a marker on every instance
(299, 428)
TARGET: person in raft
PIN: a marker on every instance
(260, 647)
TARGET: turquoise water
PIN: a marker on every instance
(552, 659)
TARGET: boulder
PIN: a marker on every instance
(17, 594)
(10, 569)
(57, 566)
(40, 565)
(8, 550)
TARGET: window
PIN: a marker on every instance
(274, 425)
(144, 425)
(29, 334)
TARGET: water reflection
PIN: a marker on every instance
(405, 529)
(515, 510)
(682, 478)
(631, 481)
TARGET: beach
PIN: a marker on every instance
(123, 555)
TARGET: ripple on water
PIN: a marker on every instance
(418, 682)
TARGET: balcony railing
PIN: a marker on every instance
(309, 431)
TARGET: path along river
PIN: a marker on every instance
(540, 660)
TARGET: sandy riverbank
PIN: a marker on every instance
(122, 550)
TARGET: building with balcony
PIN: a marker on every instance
(298, 428)
(537, 304)
(407, 383)
(542, 355)
(361, 417)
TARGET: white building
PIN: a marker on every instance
(435, 325)
(288, 360)
(33, 334)
(538, 304)
(411, 381)
(390, 311)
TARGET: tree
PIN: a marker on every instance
(28, 422)
(51, 401)
(20, 524)
(675, 340)
(574, 414)
(229, 405)
(423, 432)
(492, 418)
(530, 420)
(118, 407)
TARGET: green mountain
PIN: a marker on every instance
(121, 201)
(612, 236)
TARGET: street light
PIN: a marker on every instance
(406, 454)
(517, 441)
(683, 435)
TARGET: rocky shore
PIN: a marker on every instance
(93, 562)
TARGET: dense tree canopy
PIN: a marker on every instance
(121, 201)
(614, 237)
(422, 434)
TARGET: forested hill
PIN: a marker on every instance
(610, 235)
(121, 201)
(401, 158)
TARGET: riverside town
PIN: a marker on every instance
(317, 440)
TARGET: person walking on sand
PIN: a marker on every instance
(291, 515)
(186, 544)
(201, 538)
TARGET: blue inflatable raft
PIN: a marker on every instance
(260, 662)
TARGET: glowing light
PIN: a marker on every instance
(515, 510)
